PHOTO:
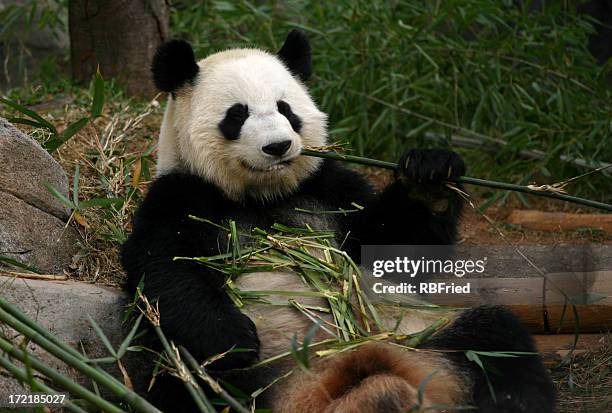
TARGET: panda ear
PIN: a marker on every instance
(295, 53)
(174, 65)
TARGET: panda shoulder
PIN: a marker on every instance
(336, 180)
(179, 193)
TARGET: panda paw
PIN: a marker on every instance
(242, 344)
(429, 166)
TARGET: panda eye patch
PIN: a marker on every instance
(234, 119)
(285, 109)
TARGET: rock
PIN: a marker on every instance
(32, 221)
(63, 308)
(24, 169)
(32, 236)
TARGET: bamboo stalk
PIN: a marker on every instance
(417, 339)
(66, 354)
(212, 382)
(15, 312)
(21, 375)
(463, 179)
(33, 276)
(182, 371)
(59, 378)
(192, 387)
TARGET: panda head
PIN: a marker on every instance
(239, 118)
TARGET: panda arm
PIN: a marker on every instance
(415, 208)
(195, 310)
(395, 217)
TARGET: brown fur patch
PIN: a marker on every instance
(374, 378)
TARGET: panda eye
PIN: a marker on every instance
(234, 118)
(238, 111)
(285, 109)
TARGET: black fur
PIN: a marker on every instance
(285, 109)
(520, 384)
(414, 165)
(296, 55)
(174, 65)
(403, 213)
(234, 119)
(192, 303)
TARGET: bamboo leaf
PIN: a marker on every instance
(61, 197)
(75, 187)
(102, 337)
(28, 112)
(16, 263)
(301, 355)
(473, 356)
(25, 121)
(128, 339)
(52, 144)
(98, 95)
(422, 385)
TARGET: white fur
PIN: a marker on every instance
(190, 138)
(168, 156)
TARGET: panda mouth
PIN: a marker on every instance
(277, 167)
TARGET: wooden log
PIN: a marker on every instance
(582, 288)
(556, 221)
(543, 306)
(592, 318)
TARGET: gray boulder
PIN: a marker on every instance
(24, 169)
(32, 221)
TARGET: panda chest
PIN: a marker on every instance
(277, 318)
(298, 213)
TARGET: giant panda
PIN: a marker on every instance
(229, 148)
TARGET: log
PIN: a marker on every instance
(590, 294)
(592, 318)
(559, 221)
(544, 307)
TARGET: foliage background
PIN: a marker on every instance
(512, 80)
(517, 82)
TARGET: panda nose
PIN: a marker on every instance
(277, 148)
